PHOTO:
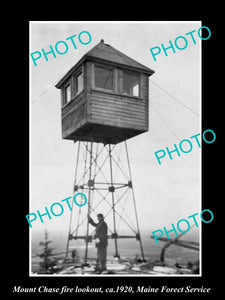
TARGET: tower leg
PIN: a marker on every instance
(134, 202)
(113, 202)
(89, 205)
(75, 180)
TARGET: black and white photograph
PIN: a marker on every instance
(117, 157)
(115, 148)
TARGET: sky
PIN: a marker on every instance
(164, 193)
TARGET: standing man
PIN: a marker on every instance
(101, 241)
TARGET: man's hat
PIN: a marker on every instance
(100, 215)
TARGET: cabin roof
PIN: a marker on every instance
(107, 54)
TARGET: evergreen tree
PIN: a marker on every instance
(47, 262)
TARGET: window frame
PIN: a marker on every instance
(113, 69)
(72, 82)
(138, 75)
(65, 100)
(75, 76)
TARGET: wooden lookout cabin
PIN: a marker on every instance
(104, 97)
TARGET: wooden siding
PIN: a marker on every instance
(118, 110)
(74, 115)
(145, 95)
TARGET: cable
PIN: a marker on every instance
(175, 98)
(36, 98)
(164, 121)
(52, 85)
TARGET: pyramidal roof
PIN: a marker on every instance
(105, 53)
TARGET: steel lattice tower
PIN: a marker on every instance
(103, 174)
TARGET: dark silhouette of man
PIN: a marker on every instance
(101, 241)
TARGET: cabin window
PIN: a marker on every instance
(131, 84)
(67, 93)
(104, 78)
(79, 83)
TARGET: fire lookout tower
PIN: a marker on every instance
(104, 100)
